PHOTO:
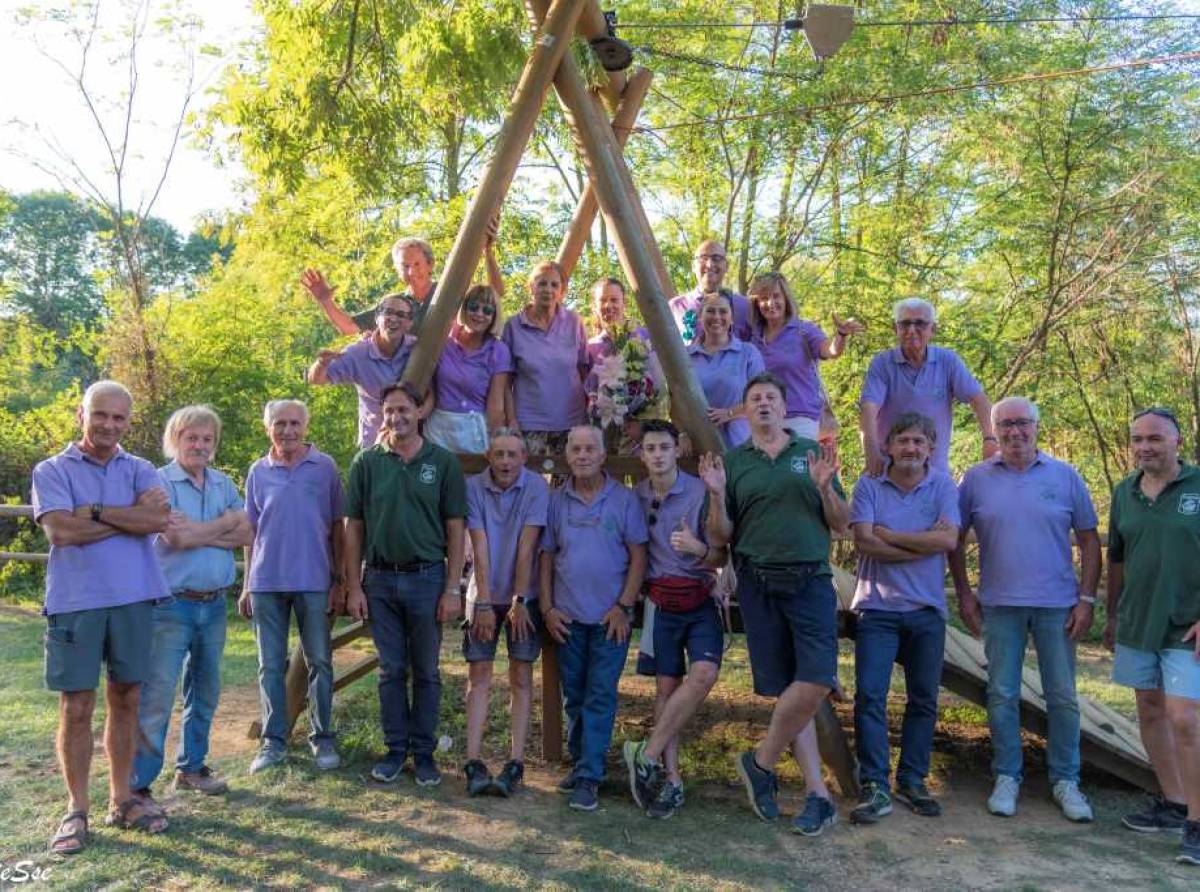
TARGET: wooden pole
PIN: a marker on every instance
(623, 209)
(585, 213)
(549, 49)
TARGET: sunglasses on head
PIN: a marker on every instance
(652, 518)
(476, 306)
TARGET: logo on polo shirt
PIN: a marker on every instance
(1048, 495)
(1189, 503)
(799, 464)
(428, 473)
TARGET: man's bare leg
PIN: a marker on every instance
(1183, 716)
(808, 757)
(793, 710)
(479, 686)
(520, 705)
(75, 709)
(680, 707)
(1158, 738)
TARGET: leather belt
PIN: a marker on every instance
(202, 596)
(411, 567)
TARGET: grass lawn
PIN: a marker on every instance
(297, 828)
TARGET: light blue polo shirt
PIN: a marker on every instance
(723, 376)
(1023, 520)
(364, 366)
(686, 500)
(503, 514)
(207, 568)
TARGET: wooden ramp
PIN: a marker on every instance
(1108, 740)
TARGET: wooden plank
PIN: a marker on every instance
(552, 732)
(354, 672)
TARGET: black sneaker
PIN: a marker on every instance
(388, 768)
(818, 814)
(916, 797)
(873, 803)
(1159, 816)
(508, 781)
(567, 784)
(1189, 846)
(645, 777)
(668, 801)
(583, 797)
(479, 779)
(425, 771)
(761, 786)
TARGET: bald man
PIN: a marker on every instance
(710, 264)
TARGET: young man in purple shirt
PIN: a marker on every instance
(1023, 505)
(294, 500)
(592, 564)
(710, 265)
(372, 363)
(917, 377)
(506, 512)
(904, 523)
(680, 576)
(100, 508)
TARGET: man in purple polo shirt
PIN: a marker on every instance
(710, 265)
(506, 512)
(100, 508)
(294, 500)
(592, 564)
(918, 377)
(1023, 505)
(372, 363)
(904, 523)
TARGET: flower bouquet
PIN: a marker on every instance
(629, 387)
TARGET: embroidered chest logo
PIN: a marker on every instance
(1048, 495)
(799, 464)
(1189, 503)
(428, 473)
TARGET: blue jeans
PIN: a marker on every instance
(272, 616)
(916, 639)
(189, 636)
(591, 667)
(408, 638)
(1005, 630)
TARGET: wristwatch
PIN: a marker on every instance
(97, 507)
(1088, 599)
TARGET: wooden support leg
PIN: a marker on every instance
(836, 751)
(552, 733)
(297, 687)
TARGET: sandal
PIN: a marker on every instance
(70, 842)
(148, 820)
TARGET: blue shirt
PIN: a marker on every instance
(503, 514)
(794, 357)
(903, 585)
(362, 365)
(723, 376)
(1023, 521)
(590, 547)
(548, 370)
(687, 500)
(206, 568)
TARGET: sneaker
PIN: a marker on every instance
(1159, 816)
(479, 779)
(761, 786)
(1003, 801)
(874, 803)
(324, 755)
(425, 771)
(508, 781)
(1071, 800)
(202, 781)
(1189, 846)
(583, 797)
(668, 801)
(818, 814)
(567, 784)
(645, 777)
(269, 756)
(916, 797)
(388, 768)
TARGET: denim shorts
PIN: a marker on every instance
(790, 617)
(78, 642)
(697, 633)
(1174, 672)
(527, 651)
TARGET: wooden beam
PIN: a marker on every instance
(836, 751)
(585, 213)
(549, 49)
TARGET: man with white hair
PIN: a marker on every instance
(100, 508)
(1023, 505)
(189, 630)
(915, 376)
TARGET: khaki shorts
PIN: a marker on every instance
(77, 643)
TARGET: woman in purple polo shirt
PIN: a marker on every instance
(550, 362)
(471, 377)
(723, 364)
(793, 348)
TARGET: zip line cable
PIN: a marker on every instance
(798, 24)
(933, 91)
(725, 66)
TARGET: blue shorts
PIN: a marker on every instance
(697, 633)
(527, 651)
(790, 617)
(1174, 672)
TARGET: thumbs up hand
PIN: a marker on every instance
(685, 541)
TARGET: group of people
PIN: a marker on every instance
(142, 560)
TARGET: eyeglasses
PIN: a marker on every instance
(394, 314)
(920, 324)
(652, 518)
(1019, 423)
(1159, 412)
(711, 258)
(475, 306)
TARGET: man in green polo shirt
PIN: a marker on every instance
(775, 499)
(405, 507)
(1154, 619)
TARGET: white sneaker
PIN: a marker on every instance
(1003, 800)
(1072, 801)
(325, 756)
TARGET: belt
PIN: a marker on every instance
(202, 596)
(410, 567)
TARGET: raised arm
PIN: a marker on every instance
(718, 528)
(843, 330)
(318, 372)
(495, 277)
(322, 292)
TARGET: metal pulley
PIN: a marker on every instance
(613, 52)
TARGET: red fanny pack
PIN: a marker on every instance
(678, 594)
